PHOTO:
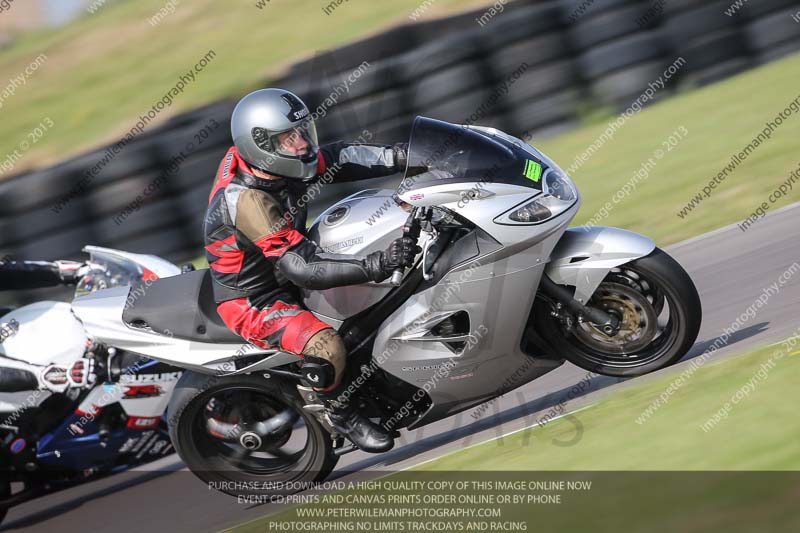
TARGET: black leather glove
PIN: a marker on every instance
(400, 156)
(400, 254)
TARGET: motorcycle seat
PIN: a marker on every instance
(180, 306)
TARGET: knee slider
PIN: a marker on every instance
(318, 372)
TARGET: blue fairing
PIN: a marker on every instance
(122, 449)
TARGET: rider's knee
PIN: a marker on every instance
(324, 359)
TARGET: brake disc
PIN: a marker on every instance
(638, 320)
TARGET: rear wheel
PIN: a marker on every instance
(658, 309)
(247, 461)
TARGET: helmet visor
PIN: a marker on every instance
(299, 142)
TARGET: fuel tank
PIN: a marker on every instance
(43, 333)
(364, 222)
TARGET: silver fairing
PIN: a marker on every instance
(365, 222)
(496, 289)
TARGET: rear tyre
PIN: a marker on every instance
(282, 463)
(659, 311)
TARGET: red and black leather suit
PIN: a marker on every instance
(259, 255)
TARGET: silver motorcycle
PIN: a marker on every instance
(502, 293)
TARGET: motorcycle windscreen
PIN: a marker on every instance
(441, 153)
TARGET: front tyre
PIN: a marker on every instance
(659, 311)
(285, 461)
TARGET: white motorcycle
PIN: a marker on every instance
(53, 439)
(501, 289)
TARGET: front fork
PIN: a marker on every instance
(607, 322)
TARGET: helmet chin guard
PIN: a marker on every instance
(273, 131)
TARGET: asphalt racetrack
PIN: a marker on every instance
(731, 269)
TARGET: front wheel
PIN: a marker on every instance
(659, 312)
(293, 455)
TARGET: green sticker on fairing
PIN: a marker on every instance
(533, 170)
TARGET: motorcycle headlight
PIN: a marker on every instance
(559, 186)
(558, 195)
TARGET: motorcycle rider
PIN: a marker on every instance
(17, 375)
(259, 255)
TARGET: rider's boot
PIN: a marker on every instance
(358, 429)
